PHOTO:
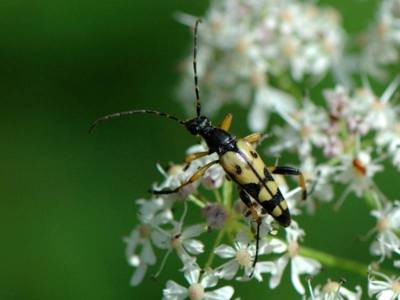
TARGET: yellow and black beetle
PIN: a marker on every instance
(237, 157)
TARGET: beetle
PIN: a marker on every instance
(238, 158)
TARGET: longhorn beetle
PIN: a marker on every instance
(238, 158)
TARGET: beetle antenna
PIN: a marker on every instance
(196, 83)
(131, 112)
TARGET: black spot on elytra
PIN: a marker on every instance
(284, 219)
(253, 189)
(238, 170)
(254, 154)
(245, 198)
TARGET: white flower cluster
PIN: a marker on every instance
(355, 132)
(382, 41)
(159, 228)
(243, 43)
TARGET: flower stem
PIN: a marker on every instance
(334, 261)
(227, 193)
(196, 201)
(217, 196)
(216, 243)
(338, 262)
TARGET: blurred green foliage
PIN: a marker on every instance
(67, 197)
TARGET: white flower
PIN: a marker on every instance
(357, 172)
(384, 288)
(333, 290)
(241, 44)
(361, 111)
(299, 264)
(319, 182)
(390, 139)
(305, 128)
(382, 40)
(181, 240)
(337, 100)
(151, 215)
(387, 227)
(266, 101)
(380, 112)
(242, 256)
(197, 287)
(178, 174)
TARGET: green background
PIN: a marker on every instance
(67, 197)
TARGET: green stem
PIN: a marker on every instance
(333, 261)
(227, 193)
(217, 196)
(338, 262)
(216, 244)
(196, 201)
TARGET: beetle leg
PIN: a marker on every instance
(193, 156)
(200, 172)
(256, 218)
(256, 138)
(257, 245)
(226, 122)
(246, 200)
(285, 170)
(253, 138)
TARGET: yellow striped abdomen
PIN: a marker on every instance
(248, 170)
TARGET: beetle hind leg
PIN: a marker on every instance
(285, 170)
(256, 218)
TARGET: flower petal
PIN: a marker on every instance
(139, 274)
(132, 242)
(225, 251)
(280, 264)
(174, 291)
(193, 246)
(375, 286)
(264, 267)
(193, 231)
(209, 280)
(301, 265)
(224, 293)
(228, 270)
(147, 254)
(272, 246)
(192, 273)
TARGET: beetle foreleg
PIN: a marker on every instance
(200, 172)
(285, 170)
(226, 122)
(193, 156)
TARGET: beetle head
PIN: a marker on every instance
(197, 125)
